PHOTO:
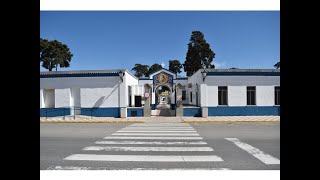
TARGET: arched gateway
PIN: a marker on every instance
(157, 93)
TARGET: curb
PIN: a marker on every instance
(207, 121)
(86, 121)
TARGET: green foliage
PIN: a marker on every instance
(154, 68)
(199, 54)
(277, 65)
(140, 70)
(54, 54)
(175, 66)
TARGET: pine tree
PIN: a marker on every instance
(199, 54)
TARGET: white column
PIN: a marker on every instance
(132, 100)
(203, 95)
(122, 93)
(173, 97)
(42, 105)
(75, 99)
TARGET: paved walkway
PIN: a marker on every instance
(86, 119)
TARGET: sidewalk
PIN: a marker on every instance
(232, 119)
(87, 119)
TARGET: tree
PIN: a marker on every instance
(54, 54)
(154, 68)
(175, 66)
(277, 65)
(141, 70)
(199, 54)
(234, 68)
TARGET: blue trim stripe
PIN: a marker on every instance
(181, 78)
(53, 112)
(78, 75)
(139, 112)
(244, 111)
(243, 74)
(194, 112)
(145, 79)
(101, 112)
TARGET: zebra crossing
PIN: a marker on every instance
(156, 143)
(150, 137)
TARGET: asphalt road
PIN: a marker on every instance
(225, 146)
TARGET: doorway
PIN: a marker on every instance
(137, 101)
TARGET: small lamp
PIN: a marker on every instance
(121, 74)
(204, 74)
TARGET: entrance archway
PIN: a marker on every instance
(163, 98)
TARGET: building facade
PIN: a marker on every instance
(118, 93)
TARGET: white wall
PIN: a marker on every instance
(100, 97)
(62, 98)
(145, 81)
(237, 89)
(92, 91)
(130, 80)
(183, 82)
(136, 90)
(265, 95)
(242, 80)
(82, 82)
(212, 95)
(195, 79)
(237, 95)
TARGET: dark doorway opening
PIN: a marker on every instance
(137, 101)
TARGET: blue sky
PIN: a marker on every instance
(120, 39)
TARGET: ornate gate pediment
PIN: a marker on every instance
(163, 78)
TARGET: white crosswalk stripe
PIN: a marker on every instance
(106, 168)
(154, 134)
(164, 131)
(265, 158)
(144, 158)
(121, 148)
(154, 137)
(162, 138)
(153, 142)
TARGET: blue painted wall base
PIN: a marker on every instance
(135, 112)
(53, 112)
(194, 112)
(101, 112)
(244, 111)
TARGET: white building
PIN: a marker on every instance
(118, 93)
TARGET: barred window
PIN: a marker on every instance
(277, 95)
(251, 95)
(223, 95)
